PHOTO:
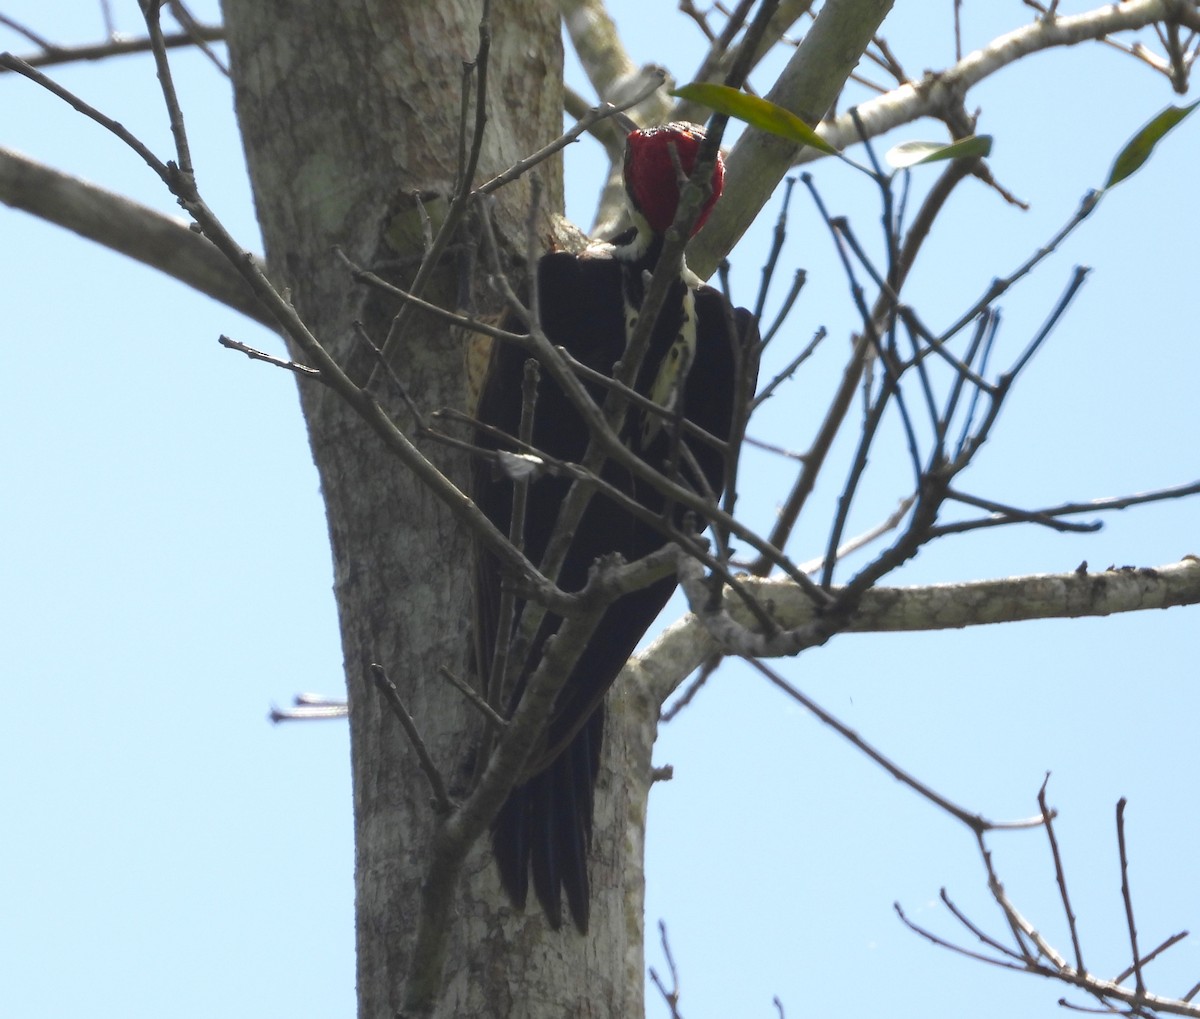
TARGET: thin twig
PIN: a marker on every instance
(311, 707)
(975, 929)
(477, 702)
(441, 799)
(195, 31)
(799, 278)
(28, 33)
(790, 368)
(976, 822)
(585, 124)
(889, 523)
(55, 55)
(183, 153)
(1127, 898)
(397, 384)
(705, 671)
(1013, 515)
(941, 942)
(302, 370)
(777, 245)
(1000, 285)
(89, 111)
(1065, 509)
(1061, 878)
(671, 997)
(1170, 942)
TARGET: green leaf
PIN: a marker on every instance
(760, 113)
(908, 154)
(1137, 150)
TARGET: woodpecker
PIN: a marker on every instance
(589, 304)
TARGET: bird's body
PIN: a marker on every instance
(586, 305)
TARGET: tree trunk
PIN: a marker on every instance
(346, 110)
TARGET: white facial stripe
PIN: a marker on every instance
(673, 371)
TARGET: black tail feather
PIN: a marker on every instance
(510, 842)
(545, 826)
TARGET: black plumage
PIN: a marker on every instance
(545, 827)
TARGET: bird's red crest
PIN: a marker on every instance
(651, 176)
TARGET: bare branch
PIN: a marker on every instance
(976, 822)
(472, 698)
(586, 123)
(1127, 899)
(310, 707)
(7, 60)
(166, 81)
(162, 242)
(612, 73)
(939, 92)
(27, 32)
(670, 997)
(53, 54)
(1061, 878)
(257, 355)
(684, 645)
(1030, 952)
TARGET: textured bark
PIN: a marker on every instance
(347, 108)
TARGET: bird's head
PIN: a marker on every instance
(652, 174)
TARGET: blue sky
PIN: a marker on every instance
(167, 579)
